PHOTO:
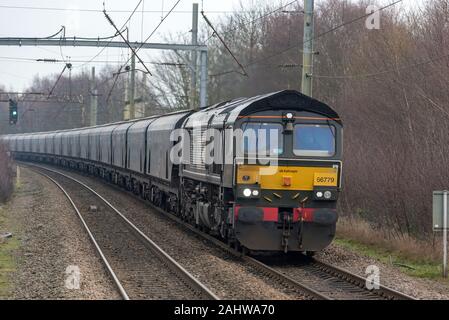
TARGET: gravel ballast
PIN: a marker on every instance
(389, 275)
(53, 239)
(53, 246)
(224, 275)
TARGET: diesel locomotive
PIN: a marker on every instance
(272, 184)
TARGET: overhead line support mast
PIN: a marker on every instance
(73, 42)
(307, 56)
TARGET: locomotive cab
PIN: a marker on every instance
(287, 175)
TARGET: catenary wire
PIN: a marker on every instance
(258, 61)
(252, 21)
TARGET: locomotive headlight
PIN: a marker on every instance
(249, 191)
(289, 115)
(325, 194)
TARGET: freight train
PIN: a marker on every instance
(262, 173)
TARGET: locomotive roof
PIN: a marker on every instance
(232, 109)
(280, 100)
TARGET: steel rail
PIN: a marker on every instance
(355, 279)
(270, 272)
(314, 294)
(191, 281)
(267, 270)
(111, 272)
(334, 271)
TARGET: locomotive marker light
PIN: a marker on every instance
(439, 210)
(288, 119)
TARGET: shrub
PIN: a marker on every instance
(6, 173)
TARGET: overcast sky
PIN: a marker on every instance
(83, 18)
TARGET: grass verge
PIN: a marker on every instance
(413, 257)
(7, 260)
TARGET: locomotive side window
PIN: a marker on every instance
(314, 140)
(262, 138)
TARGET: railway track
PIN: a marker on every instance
(358, 282)
(139, 268)
(313, 278)
(326, 282)
(332, 282)
(318, 280)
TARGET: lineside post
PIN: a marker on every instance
(445, 234)
(440, 220)
(193, 71)
(93, 100)
(203, 79)
(132, 88)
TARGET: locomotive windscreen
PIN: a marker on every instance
(314, 140)
(262, 138)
